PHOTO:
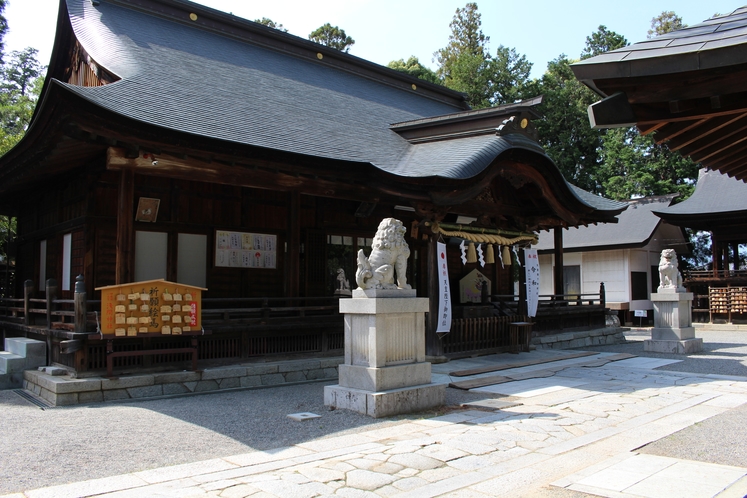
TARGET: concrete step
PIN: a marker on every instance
(34, 352)
(11, 363)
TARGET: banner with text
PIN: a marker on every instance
(532, 269)
(444, 293)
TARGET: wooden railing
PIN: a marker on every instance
(706, 274)
(235, 328)
(557, 312)
(483, 335)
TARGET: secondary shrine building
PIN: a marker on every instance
(172, 141)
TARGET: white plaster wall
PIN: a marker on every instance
(547, 263)
(610, 267)
(546, 276)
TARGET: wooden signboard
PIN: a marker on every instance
(155, 307)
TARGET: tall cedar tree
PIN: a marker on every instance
(466, 65)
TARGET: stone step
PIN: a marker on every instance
(35, 352)
(11, 380)
(11, 363)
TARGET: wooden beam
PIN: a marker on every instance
(192, 169)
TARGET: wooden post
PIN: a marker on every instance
(51, 298)
(80, 304)
(558, 268)
(125, 236)
(28, 289)
(715, 260)
(602, 295)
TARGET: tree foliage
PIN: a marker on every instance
(3, 28)
(565, 132)
(465, 64)
(266, 21)
(332, 36)
(666, 22)
(413, 67)
(601, 41)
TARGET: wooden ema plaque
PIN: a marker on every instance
(155, 307)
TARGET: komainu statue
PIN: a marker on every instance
(669, 274)
(389, 255)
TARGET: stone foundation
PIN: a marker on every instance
(63, 390)
(581, 338)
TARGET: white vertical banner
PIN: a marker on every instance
(444, 293)
(532, 272)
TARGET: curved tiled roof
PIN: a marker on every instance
(181, 76)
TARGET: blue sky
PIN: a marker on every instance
(386, 30)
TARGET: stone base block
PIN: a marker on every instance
(672, 333)
(385, 403)
(385, 378)
(686, 346)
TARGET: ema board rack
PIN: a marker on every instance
(152, 307)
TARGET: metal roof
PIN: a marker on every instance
(687, 87)
(715, 193)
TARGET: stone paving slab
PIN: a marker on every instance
(656, 477)
(577, 430)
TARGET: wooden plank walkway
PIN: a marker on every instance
(517, 364)
(500, 379)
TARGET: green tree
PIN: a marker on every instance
(508, 76)
(465, 63)
(19, 90)
(332, 36)
(565, 132)
(413, 67)
(266, 21)
(666, 22)
(601, 41)
(633, 165)
(3, 28)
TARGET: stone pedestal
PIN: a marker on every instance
(385, 372)
(673, 331)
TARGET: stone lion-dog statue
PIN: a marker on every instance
(669, 274)
(388, 255)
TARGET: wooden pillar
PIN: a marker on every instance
(28, 290)
(81, 304)
(125, 234)
(716, 261)
(51, 286)
(293, 256)
(433, 346)
(558, 268)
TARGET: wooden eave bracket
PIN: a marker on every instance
(613, 112)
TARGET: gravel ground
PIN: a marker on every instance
(68, 444)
